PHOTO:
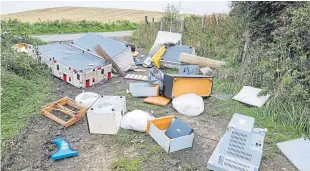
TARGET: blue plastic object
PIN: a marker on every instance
(64, 150)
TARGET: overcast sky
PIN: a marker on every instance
(192, 7)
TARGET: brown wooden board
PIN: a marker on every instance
(157, 100)
(59, 105)
(106, 57)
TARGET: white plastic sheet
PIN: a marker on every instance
(87, 98)
(188, 104)
(250, 95)
(136, 120)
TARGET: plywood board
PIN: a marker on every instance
(201, 61)
(157, 100)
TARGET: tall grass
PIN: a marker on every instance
(65, 26)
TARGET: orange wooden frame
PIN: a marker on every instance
(59, 106)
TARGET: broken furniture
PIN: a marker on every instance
(176, 85)
(143, 89)
(171, 58)
(157, 100)
(241, 147)
(156, 58)
(59, 105)
(188, 69)
(250, 95)
(106, 57)
(105, 115)
(64, 150)
(201, 61)
(298, 152)
(73, 65)
(136, 77)
(157, 128)
(121, 53)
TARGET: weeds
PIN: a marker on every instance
(65, 26)
(126, 164)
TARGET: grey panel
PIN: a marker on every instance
(90, 40)
(168, 83)
(173, 52)
(298, 152)
(142, 89)
(70, 56)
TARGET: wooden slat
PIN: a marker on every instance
(59, 105)
(75, 105)
(53, 117)
(65, 109)
(104, 55)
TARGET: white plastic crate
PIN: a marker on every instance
(105, 115)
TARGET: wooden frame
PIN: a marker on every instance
(58, 105)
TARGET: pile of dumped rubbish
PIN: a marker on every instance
(92, 59)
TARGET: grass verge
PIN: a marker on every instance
(21, 98)
(65, 26)
(265, 117)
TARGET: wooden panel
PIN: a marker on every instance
(161, 123)
(157, 100)
(200, 86)
(201, 61)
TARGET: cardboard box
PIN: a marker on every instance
(105, 116)
(156, 129)
(176, 85)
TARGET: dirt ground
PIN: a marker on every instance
(98, 152)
